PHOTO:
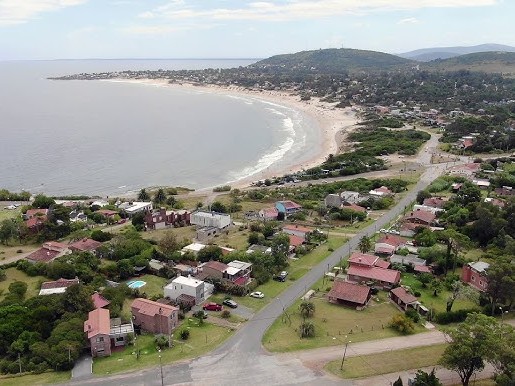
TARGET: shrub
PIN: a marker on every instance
(225, 314)
(402, 323)
(161, 342)
(417, 294)
(413, 315)
(181, 315)
(184, 334)
(452, 316)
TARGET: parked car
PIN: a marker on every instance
(257, 294)
(283, 273)
(281, 276)
(212, 307)
(230, 303)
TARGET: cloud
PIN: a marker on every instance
(164, 29)
(14, 12)
(301, 9)
(409, 20)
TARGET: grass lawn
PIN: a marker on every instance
(49, 378)
(12, 275)
(332, 322)
(154, 286)
(387, 362)
(181, 233)
(438, 303)
(202, 339)
(9, 213)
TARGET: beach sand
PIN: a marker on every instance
(334, 124)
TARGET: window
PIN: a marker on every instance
(120, 339)
(100, 339)
(473, 278)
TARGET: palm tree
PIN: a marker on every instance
(307, 309)
(160, 196)
(143, 195)
(307, 330)
(365, 244)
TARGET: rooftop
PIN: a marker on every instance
(240, 265)
(216, 265)
(99, 301)
(375, 273)
(404, 295)
(479, 266)
(297, 228)
(189, 281)
(98, 323)
(151, 308)
(350, 292)
(85, 245)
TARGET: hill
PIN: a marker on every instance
(492, 62)
(428, 54)
(333, 61)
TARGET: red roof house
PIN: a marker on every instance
(349, 294)
(99, 301)
(268, 214)
(385, 278)
(403, 298)
(295, 241)
(354, 207)
(154, 317)
(421, 217)
(288, 207)
(383, 191)
(57, 287)
(48, 252)
(366, 260)
(98, 327)
(85, 245)
(434, 202)
(297, 230)
(388, 244)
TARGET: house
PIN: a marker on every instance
(495, 202)
(187, 286)
(388, 244)
(332, 201)
(287, 207)
(505, 191)
(434, 202)
(98, 328)
(349, 294)
(78, 216)
(193, 248)
(210, 219)
(107, 213)
(409, 259)
(156, 265)
(403, 298)
(337, 200)
(366, 260)
(154, 317)
(475, 275)
(57, 287)
(354, 207)
(131, 208)
(259, 248)
(35, 218)
(383, 191)
(420, 217)
(162, 218)
(236, 272)
(85, 245)
(297, 230)
(350, 197)
(31, 213)
(295, 242)
(99, 301)
(466, 170)
(268, 214)
(422, 269)
(382, 277)
(99, 203)
(49, 251)
(481, 183)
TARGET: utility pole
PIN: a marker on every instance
(344, 352)
(161, 368)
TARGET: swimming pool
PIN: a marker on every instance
(136, 284)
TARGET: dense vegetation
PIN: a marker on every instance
(382, 141)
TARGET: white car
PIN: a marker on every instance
(259, 295)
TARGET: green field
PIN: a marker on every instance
(154, 286)
(12, 275)
(49, 378)
(202, 339)
(386, 362)
(332, 323)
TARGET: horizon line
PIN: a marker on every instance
(73, 59)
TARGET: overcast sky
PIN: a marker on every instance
(52, 29)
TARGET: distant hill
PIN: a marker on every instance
(493, 62)
(428, 54)
(333, 61)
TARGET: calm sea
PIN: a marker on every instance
(108, 138)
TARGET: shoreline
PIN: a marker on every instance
(333, 124)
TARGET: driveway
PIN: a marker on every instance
(82, 368)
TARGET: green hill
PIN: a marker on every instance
(333, 61)
(492, 62)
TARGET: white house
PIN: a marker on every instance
(183, 285)
(210, 219)
(135, 207)
(193, 248)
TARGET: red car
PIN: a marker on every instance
(212, 307)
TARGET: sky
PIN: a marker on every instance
(77, 29)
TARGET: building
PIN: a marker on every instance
(481, 183)
(35, 218)
(434, 202)
(268, 214)
(420, 217)
(162, 218)
(349, 294)
(383, 191)
(236, 272)
(297, 230)
(193, 248)
(465, 170)
(98, 328)
(354, 207)
(154, 317)
(183, 285)
(475, 275)
(85, 245)
(288, 207)
(259, 248)
(407, 260)
(131, 208)
(49, 251)
(381, 277)
(210, 219)
(388, 244)
(99, 301)
(332, 201)
(366, 260)
(403, 298)
(57, 287)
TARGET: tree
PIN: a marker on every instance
(307, 330)
(7, 231)
(469, 344)
(503, 357)
(425, 238)
(402, 323)
(501, 282)
(211, 252)
(169, 244)
(422, 195)
(426, 379)
(143, 195)
(436, 286)
(365, 244)
(42, 202)
(218, 207)
(307, 309)
(138, 220)
(458, 290)
(454, 241)
(280, 246)
(160, 196)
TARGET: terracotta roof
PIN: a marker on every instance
(349, 292)
(107, 212)
(375, 273)
(393, 240)
(60, 283)
(383, 189)
(385, 249)
(99, 301)
(85, 245)
(35, 221)
(270, 212)
(295, 241)
(98, 323)
(421, 215)
(148, 307)
(36, 212)
(297, 228)
(216, 265)
(55, 245)
(290, 204)
(43, 255)
(382, 263)
(354, 207)
(422, 269)
(404, 295)
(434, 202)
(363, 259)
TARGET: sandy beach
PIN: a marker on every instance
(333, 124)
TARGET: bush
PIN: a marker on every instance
(225, 314)
(413, 315)
(402, 324)
(184, 334)
(161, 342)
(452, 316)
(417, 294)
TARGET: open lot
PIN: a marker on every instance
(12, 275)
(202, 339)
(386, 362)
(50, 378)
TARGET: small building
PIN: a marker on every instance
(349, 294)
(107, 213)
(434, 202)
(193, 248)
(99, 301)
(388, 244)
(366, 260)
(162, 218)
(382, 277)
(288, 207)
(295, 242)
(475, 275)
(210, 219)
(481, 183)
(259, 248)
(188, 286)
(403, 298)
(383, 191)
(57, 287)
(131, 208)
(466, 170)
(236, 272)
(297, 230)
(154, 317)
(98, 328)
(49, 251)
(85, 245)
(409, 259)
(354, 207)
(332, 201)
(420, 217)
(268, 214)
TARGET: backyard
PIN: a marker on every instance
(12, 275)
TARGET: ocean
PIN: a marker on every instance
(110, 138)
